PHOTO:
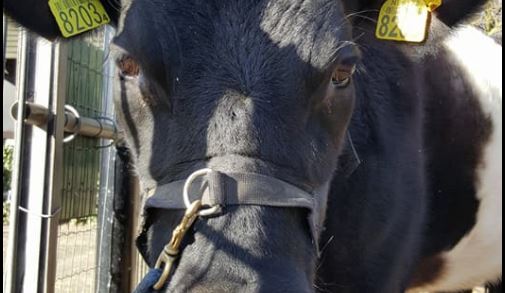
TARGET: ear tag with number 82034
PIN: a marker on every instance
(77, 16)
(405, 20)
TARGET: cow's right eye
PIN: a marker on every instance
(342, 75)
(128, 67)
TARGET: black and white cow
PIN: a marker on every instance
(400, 144)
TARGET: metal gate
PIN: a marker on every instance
(70, 192)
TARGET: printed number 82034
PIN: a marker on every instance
(79, 18)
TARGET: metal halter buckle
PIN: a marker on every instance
(185, 193)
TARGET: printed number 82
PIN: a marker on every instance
(384, 27)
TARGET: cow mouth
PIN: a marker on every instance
(213, 247)
(266, 207)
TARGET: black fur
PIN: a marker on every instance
(455, 119)
(456, 11)
(374, 220)
(496, 288)
(244, 104)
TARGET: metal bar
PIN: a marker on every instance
(137, 263)
(55, 170)
(34, 114)
(92, 127)
(36, 188)
(10, 284)
(107, 280)
(6, 30)
(36, 195)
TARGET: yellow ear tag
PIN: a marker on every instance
(77, 16)
(433, 4)
(405, 20)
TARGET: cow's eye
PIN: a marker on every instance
(128, 67)
(342, 75)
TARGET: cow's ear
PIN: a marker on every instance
(36, 16)
(362, 6)
(453, 12)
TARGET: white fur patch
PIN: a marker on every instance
(477, 258)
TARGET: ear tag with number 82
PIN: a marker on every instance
(405, 20)
(77, 16)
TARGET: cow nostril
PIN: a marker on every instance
(233, 115)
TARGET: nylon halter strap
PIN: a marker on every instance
(211, 191)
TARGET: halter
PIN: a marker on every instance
(215, 191)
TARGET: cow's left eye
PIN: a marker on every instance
(342, 75)
(128, 67)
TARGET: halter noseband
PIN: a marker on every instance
(218, 190)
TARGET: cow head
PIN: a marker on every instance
(238, 86)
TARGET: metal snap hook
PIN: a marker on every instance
(171, 251)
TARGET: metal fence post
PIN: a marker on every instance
(35, 202)
(106, 273)
(10, 282)
(6, 29)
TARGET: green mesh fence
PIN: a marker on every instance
(87, 91)
(81, 156)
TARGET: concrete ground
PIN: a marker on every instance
(76, 265)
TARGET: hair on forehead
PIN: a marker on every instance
(318, 30)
